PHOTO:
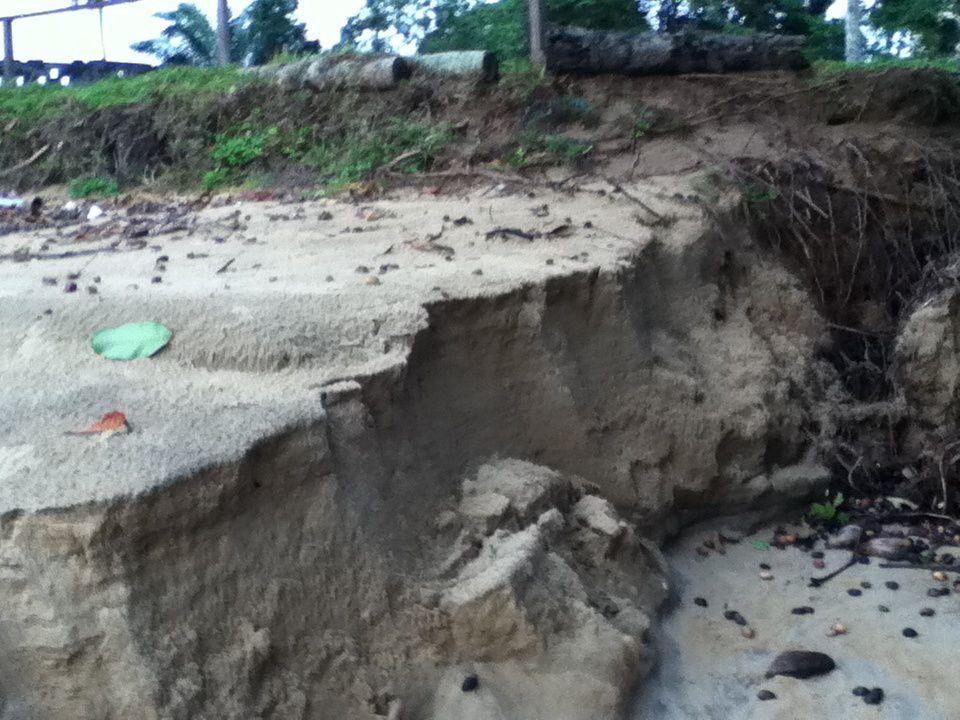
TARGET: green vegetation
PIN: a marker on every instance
(86, 187)
(403, 144)
(38, 102)
(882, 64)
(260, 32)
(233, 152)
(829, 512)
(548, 149)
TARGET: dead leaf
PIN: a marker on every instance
(111, 423)
(564, 230)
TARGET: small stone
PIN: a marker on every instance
(874, 697)
(49, 281)
(70, 287)
(156, 279)
(892, 585)
(766, 695)
(854, 592)
(764, 566)
(837, 629)
(92, 289)
(734, 616)
(845, 538)
(549, 261)
(940, 576)
(766, 575)
(866, 585)
(801, 664)
(910, 633)
(938, 592)
(748, 632)
(700, 602)
(883, 608)
(863, 560)
(371, 280)
(803, 610)
(470, 683)
(927, 612)
(362, 270)
(819, 564)
(478, 271)
(817, 555)
(325, 216)
(329, 278)
(860, 691)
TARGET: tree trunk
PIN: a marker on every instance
(223, 33)
(577, 50)
(536, 15)
(855, 50)
(332, 73)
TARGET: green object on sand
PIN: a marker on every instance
(760, 544)
(131, 341)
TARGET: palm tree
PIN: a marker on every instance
(265, 28)
(189, 39)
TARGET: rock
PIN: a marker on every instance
(748, 632)
(846, 538)
(854, 592)
(485, 511)
(803, 610)
(874, 696)
(910, 632)
(860, 691)
(598, 515)
(888, 548)
(732, 535)
(700, 602)
(819, 564)
(883, 608)
(766, 695)
(927, 612)
(892, 585)
(837, 629)
(936, 592)
(734, 616)
(470, 683)
(766, 575)
(801, 664)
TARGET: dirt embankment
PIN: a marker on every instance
(404, 454)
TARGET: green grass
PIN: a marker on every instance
(85, 187)
(833, 67)
(352, 156)
(38, 102)
(549, 149)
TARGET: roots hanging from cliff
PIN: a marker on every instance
(873, 234)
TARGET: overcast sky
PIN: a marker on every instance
(76, 35)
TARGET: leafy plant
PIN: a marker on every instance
(829, 512)
(93, 187)
(548, 149)
(233, 152)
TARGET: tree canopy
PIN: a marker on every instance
(261, 31)
(436, 25)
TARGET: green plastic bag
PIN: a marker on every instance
(131, 341)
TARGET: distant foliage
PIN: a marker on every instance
(265, 29)
(501, 27)
(934, 24)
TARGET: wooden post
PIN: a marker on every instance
(8, 52)
(536, 14)
(223, 33)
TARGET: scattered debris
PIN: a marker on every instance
(837, 629)
(131, 341)
(225, 266)
(109, 424)
(846, 538)
(505, 232)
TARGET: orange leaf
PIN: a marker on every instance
(112, 422)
